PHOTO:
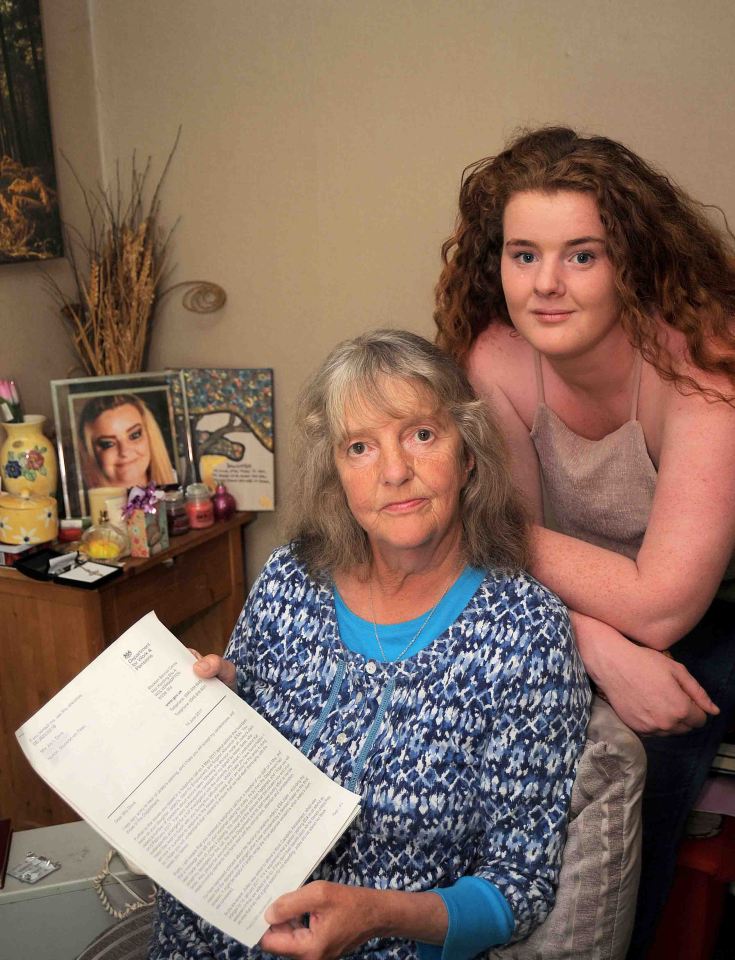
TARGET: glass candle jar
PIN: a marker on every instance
(199, 506)
(176, 513)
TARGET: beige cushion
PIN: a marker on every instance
(595, 901)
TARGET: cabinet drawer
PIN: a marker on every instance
(176, 589)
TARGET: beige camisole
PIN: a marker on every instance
(600, 491)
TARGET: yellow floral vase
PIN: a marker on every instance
(27, 458)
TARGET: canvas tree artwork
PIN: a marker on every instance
(230, 419)
(30, 226)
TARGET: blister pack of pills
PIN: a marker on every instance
(33, 868)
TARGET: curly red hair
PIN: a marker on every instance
(671, 263)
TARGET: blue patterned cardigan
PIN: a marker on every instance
(463, 754)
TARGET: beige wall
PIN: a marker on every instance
(323, 142)
(34, 346)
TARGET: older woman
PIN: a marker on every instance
(592, 302)
(396, 641)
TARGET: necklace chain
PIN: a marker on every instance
(415, 637)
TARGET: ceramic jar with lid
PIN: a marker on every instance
(25, 518)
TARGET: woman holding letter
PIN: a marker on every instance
(396, 641)
(592, 302)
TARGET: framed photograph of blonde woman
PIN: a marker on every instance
(121, 431)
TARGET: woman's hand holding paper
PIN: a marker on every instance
(213, 665)
(342, 917)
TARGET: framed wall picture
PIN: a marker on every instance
(30, 226)
(120, 431)
(230, 421)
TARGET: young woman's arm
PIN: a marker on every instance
(648, 690)
(657, 598)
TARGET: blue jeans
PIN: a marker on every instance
(678, 765)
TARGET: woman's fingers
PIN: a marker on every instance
(208, 666)
(212, 665)
(289, 935)
(293, 905)
(340, 918)
(287, 939)
(650, 691)
(675, 710)
(693, 702)
(696, 691)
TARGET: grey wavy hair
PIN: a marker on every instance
(324, 533)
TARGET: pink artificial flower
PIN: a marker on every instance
(9, 402)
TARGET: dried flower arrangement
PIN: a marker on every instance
(117, 269)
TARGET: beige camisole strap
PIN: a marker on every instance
(600, 491)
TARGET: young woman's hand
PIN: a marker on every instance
(213, 665)
(649, 691)
(342, 917)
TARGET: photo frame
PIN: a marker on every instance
(229, 420)
(120, 431)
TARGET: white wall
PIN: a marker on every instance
(323, 142)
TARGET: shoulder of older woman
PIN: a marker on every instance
(541, 700)
(534, 603)
(280, 567)
(530, 619)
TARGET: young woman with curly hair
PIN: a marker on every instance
(592, 302)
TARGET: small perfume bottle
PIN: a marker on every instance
(105, 541)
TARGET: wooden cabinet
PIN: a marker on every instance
(48, 633)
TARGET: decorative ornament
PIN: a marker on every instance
(224, 503)
(145, 499)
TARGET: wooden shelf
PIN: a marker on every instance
(49, 632)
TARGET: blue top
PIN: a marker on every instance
(479, 915)
(463, 754)
(359, 635)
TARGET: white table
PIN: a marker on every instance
(55, 918)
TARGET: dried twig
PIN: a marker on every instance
(118, 269)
